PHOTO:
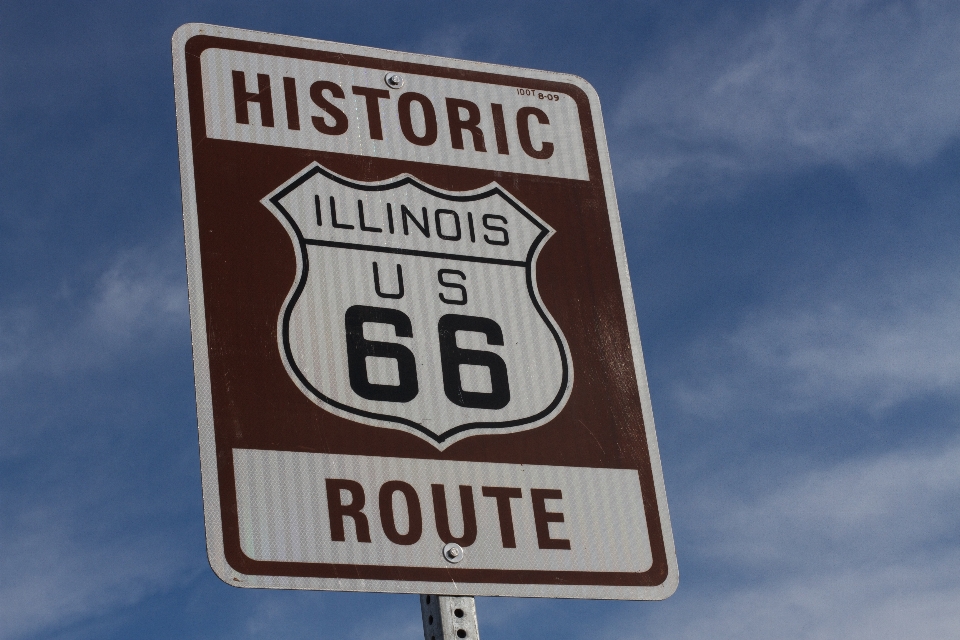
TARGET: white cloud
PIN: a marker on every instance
(450, 41)
(900, 602)
(136, 302)
(825, 81)
(863, 549)
(863, 513)
(57, 565)
(869, 348)
(14, 328)
(55, 573)
(485, 38)
(136, 295)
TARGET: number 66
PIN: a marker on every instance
(451, 357)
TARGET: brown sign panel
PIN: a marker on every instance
(417, 359)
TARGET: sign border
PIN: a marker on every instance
(665, 577)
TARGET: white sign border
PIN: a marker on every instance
(208, 460)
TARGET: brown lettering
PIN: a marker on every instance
(293, 109)
(500, 129)
(502, 496)
(263, 97)
(523, 129)
(338, 511)
(443, 521)
(373, 97)
(387, 519)
(542, 518)
(458, 126)
(429, 119)
(340, 122)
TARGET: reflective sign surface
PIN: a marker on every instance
(413, 326)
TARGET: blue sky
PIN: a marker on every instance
(788, 181)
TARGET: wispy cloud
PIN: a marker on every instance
(863, 513)
(450, 40)
(59, 563)
(867, 345)
(55, 570)
(138, 300)
(823, 81)
(136, 295)
(862, 549)
(487, 39)
(902, 601)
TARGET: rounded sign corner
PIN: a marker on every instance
(430, 305)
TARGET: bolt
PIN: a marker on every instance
(393, 80)
(453, 552)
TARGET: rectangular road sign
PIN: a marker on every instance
(417, 359)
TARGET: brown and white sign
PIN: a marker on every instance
(413, 326)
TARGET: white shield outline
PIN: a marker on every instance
(450, 436)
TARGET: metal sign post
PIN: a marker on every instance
(449, 618)
(416, 352)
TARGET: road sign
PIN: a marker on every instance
(417, 359)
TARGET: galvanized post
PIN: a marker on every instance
(449, 618)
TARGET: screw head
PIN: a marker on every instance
(393, 80)
(453, 552)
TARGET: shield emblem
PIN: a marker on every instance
(416, 308)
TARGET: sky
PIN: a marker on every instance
(788, 181)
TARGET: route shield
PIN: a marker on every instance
(448, 274)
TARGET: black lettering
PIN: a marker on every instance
(338, 511)
(453, 285)
(473, 236)
(443, 520)
(424, 228)
(316, 206)
(429, 119)
(390, 217)
(458, 126)
(359, 348)
(439, 227)
(363, 225)
(523, 131)
(505, 240)
(373, 98)
(340, 122)
(503, 495)
(452, 356)
(414, 516)
(333, 216)
(376, 283)
(263, 97)
(290, 98)
(542, 518)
